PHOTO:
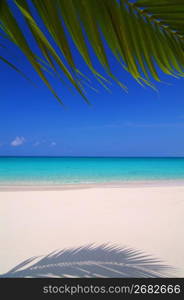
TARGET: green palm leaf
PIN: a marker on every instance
(92, 261)
(15, 68)
(145, 36)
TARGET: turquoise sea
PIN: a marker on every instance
(54, 170)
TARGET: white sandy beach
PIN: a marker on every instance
(148, 218)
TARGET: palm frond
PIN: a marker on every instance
(144, 36)
(92, 261)
(4, 60)
(169, 14)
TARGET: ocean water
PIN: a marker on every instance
(55, 171)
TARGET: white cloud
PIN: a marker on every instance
(49, 143)
(18, 141)
(36, 144)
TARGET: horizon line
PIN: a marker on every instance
(84, 156)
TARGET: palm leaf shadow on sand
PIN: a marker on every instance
(92, 261)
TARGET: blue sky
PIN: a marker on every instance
(141, 122)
